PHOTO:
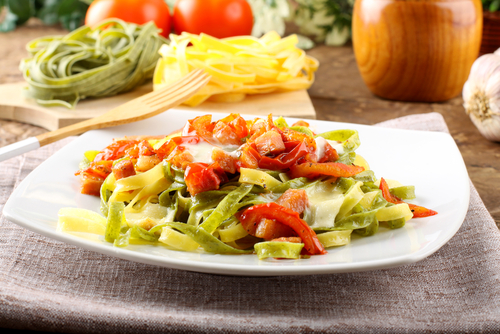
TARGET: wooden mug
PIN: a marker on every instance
(416, 50)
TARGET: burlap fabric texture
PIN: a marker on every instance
(50, 286)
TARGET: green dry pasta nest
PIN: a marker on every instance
(114, 57)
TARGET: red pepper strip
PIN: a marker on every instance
(313, 169)
(284, 160)
(387, 194)
(418, 211)
(290, 145)
(285, 216)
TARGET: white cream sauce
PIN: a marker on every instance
(202, 152)
(325, 201)
(320, 146)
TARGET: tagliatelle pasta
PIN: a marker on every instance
(236, 186)
(238, 65)
(112, 58)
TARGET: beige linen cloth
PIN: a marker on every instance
(50, 286)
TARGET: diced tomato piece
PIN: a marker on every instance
(268, 229)
(132, 152)
(239, 126)
(145, 148)
(237, 123)
(269, 143)
(259, 132)
(226, 135)
(90, 184)
(313, 169)
(99, 168)
(249, 157)
(225, 161)
(167, 147)
(295, 199)
(200, 126)
(116, 150)
(284, 160)
(330, 154)
(285, 216)
(124, 168)
(91, 178)
(256, 125)
(418, 211)
(295, 240)
(301, 123)
(199, 178)
(291, 135)
(221, 173)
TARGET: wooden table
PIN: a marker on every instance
(338, 94)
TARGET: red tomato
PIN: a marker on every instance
(116, 150)
(218, 18)
(270, 142)
(199, 178)
(295, 199)
(249, 157)
(226, 162)
(226, 135)
(134, 11)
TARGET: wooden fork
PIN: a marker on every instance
(143, 107)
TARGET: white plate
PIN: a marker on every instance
(429, 160)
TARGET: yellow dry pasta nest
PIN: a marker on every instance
(238, 65)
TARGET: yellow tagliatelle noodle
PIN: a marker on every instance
(238, 65)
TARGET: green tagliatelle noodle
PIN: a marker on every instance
(114, 57)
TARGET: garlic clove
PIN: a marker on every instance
(492, 87)
(481, 95)
(489, 127)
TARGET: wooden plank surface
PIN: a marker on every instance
(14, 106)
(338, 94)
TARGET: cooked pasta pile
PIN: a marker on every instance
(234, 186)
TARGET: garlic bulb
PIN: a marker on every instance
(481, 95)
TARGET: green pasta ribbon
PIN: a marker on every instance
(283, 250)
(349, 138)
(226, 208)
(114, 221)
(114, 57)
(209, 243)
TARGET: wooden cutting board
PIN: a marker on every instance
(14, 106)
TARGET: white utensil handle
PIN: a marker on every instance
(19, 148)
